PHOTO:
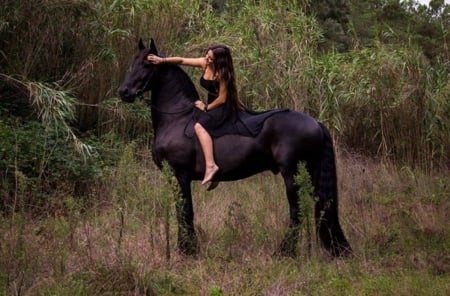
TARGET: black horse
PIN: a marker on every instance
(286, 139)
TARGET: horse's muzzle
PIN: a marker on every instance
(126, 95)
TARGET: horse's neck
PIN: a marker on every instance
(174, 88)
(173, 96)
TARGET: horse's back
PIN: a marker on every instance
(285, 139)
(293, 128)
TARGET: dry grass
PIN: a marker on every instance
(395, 220)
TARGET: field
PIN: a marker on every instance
(124, 243)
(84, 211)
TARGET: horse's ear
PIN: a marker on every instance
(153, 46)
(141, 45)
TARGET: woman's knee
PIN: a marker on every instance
(198, 127)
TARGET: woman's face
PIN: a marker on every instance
(209, 57)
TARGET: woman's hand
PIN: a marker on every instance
(200, 105)
(155, 59)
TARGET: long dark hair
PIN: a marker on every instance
(224, 70)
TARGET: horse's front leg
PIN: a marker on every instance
(187, 239)
(288, 246)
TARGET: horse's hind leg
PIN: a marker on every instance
(288, 246)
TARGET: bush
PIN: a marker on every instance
(46, 161)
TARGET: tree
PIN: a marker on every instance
(333, 16)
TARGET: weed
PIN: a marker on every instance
(306, 202)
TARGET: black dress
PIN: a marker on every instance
(223, 120)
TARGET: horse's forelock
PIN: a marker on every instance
(142, 54)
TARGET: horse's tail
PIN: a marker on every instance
(326, 211)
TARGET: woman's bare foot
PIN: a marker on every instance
(210, 172)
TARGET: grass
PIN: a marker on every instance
(395, 220)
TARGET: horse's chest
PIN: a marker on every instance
(169, 146)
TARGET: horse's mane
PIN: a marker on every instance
(179, 76)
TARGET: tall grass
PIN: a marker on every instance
(381, 102)
(386, 101)
(395, 220)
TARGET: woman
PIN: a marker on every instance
(218, 79)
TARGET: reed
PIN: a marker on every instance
(387, 101)
(382, 102)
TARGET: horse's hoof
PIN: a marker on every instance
(212, 186)
(281, 253)
(188, 247)
(341, 252)
(189, 254)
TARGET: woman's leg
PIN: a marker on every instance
(207, 147)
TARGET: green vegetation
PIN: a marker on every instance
(396, 221)
(83, 210)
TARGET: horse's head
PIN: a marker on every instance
(138, 79)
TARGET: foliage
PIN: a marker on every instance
(376, 72)
(403, 23)
(384, 102)
(46, 162)
(333, 17)
(306, 201)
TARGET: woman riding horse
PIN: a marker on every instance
(245, 144)
(223, 107)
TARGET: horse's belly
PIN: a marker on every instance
(240, 157)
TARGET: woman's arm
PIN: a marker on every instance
(192, 62)
(222, 98)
